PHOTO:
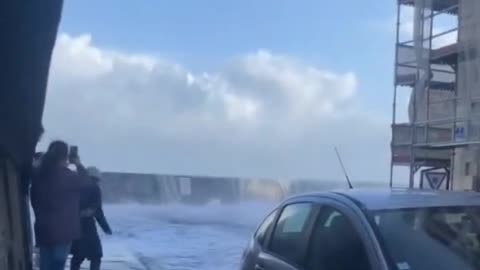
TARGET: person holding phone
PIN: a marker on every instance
(55, 198)
(89, 245)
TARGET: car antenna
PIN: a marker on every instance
(343, 168)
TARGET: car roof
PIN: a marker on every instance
(388, 199)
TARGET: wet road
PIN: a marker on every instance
(183, 237)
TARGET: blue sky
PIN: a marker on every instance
(250, 88)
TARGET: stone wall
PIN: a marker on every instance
(153, 188)
(159, 189)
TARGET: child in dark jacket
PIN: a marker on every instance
(89, 246)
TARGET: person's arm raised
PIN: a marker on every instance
(82, 172)
(83, 180)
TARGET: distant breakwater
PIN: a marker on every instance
(119, 187)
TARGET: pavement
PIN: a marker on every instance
(115, 258)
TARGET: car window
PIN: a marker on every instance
(265, 227)
(290, 236)
(449, 234)
(335, 244)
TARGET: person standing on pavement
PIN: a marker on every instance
(89, 245)
(55, 198)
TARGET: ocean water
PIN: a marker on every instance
(181, 237)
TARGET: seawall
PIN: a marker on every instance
(120, 187)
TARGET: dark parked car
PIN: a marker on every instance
(366, 230)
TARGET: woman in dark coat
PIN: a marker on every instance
(89, 245)
(55, 198)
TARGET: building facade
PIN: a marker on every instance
(436, 61)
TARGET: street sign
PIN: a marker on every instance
(459, 134)
(435, 179)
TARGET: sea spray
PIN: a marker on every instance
(181, 236)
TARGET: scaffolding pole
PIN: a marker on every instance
(394, 104)
(427, 71)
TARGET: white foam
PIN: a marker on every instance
(181, 236)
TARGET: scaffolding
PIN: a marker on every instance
(426, 63)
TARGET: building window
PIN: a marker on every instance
(467, 168)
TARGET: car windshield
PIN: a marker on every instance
(442, 238)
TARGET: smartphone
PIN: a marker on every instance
(73, 153)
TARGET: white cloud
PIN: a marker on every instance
(263, 114)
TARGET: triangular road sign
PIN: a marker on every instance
(435, 179)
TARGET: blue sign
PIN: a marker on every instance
(459, 134)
